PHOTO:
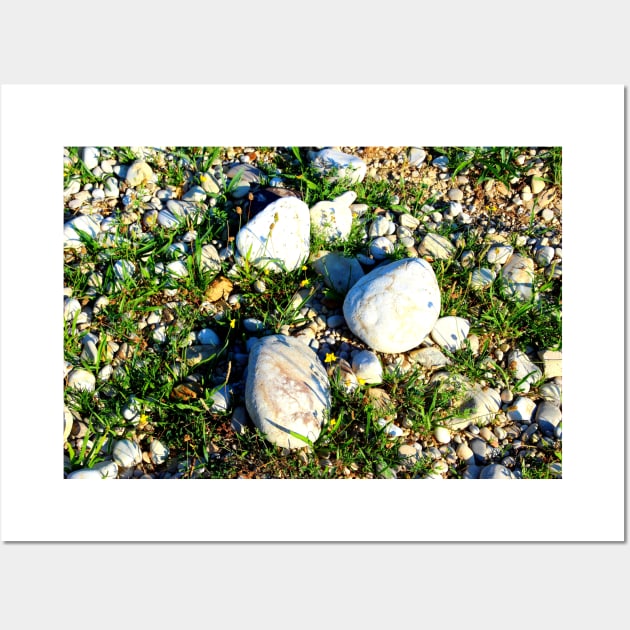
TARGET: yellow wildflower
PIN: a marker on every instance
(233, 323)
(304, 283)
(330, 357)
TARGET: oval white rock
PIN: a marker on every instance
(279, 237)
(287, 391)
(126, 453)
(102, 470)
(395, 306)
(450, 332)
(333, 219)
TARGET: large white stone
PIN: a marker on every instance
(518, 277)
(332, 220)
(279, 237)
(328, 160)
(287, 390)
(90, 225)
(102, 470)
(395, 306)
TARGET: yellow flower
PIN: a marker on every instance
(361, 380)
(333, 422)
(330, 357)
(143, 418)
(233, 323)
(304, 267)
(203, 178)
(304, 283)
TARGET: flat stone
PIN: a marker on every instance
(332, 220)
(126, 453)
(394, 307)
(450, 332)
(442, 435)
(328, 160)
(90, 225)
(552, 363)
(416, 156)
(278, 238)
(499, 254)
(102, 470)
(381, 248)
(286, 391)
(247, 174)
(210, 184)
(158, 452)
(90, 156)
(537, 185)
(482, 278)
(80, 379)
(478, 405)
(429, 357)
(521, 410)
(436, 246)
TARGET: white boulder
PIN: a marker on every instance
(332, 220)
(277, 238)
(287, 392)
(331, 160)
(395, 306)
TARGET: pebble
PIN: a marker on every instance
(429, 357)
(552, 393)
(537, 185)
(482, 278)
(408, 221)
(395, 306)
(138, 173)
(548, 417)
(367, 367)
(102, 470)
(442, 435)
(450, 332)
(126, 453)
(518, 277)
(84, 223)
(416, 156)
(221, 400)
(207, 337)
(499, 254)
(339, 272)
(332, 220)
(437, 247)
(480, 449)
(381, 248)
(90, 156)
(158, 452)
(544, 255)
(81, 379)
(524, 372)
(552, 363)
(521, 410)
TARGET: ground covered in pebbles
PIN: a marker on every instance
(166, 297)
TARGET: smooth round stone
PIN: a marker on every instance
(80, 379)
(518, 277)
(195, 194)
(465, 453)
(71, 308)
(479, 406)
(335, 321)
(496, 471)
(547, 214)
(472, 472)
(367, 367)
(441, 162)
(124, 269)
(436, 246)
(442, 435)
(207, 337)
(332, 220)
(450, 332)
(548, 417)
(379, 227)
(177, 269)
(395, 306)
(408, 221)
(278, 237)
(138, 173)
(84, 223)
(110, 188)
(480, 448)
(287, 391)
(98, 194)
(159, 334)
(551, 392)
(252, 324)
(221, 400)
(381, 248)
(126, 453)
(210, 184)
(537, 185)
(499, 254)
(409, 455)
(210, 258)
(544, 255)
(239, 420)
(455, 194)
(328, 160)
(523, 370)
(521, 410)
(246, 173)
(90, 156)
(102, 470)
(482, 278)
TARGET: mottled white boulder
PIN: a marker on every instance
(521, 410)
(81, 379)
(126, 453)
(332, 220)
(450, 332)
(277, 238)
(436, 246)
(395, 306)
(523, 370)
(327, 161)
(287, 390)
(338, 272)
(158, 452)
(479, 406)
(367, 367)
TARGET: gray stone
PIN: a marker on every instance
(482, 278)
(81, 379)
(339, 272)
(524, 372)
(436, 246)
(367, 367)
(381, 248)
(102, 470)
(429, 357)
(90, 156)
(521, 410)
(416, 156)
(499, 254)
(158, 452)
(450, 332)
(548, 417)
(395, 306)
(287, 391)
